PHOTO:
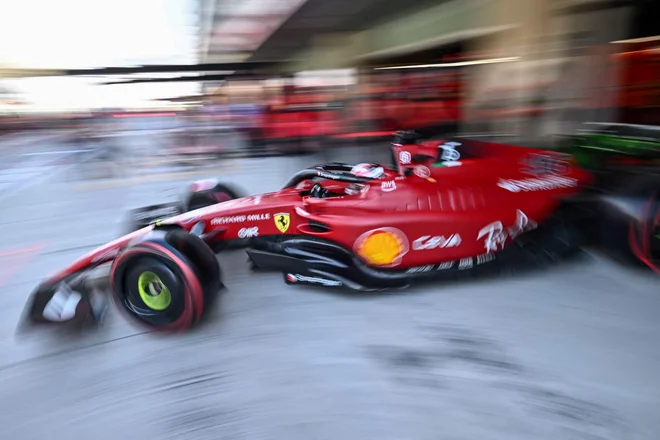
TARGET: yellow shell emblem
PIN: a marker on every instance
(382, 247)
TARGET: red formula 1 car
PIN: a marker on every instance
(444, 209)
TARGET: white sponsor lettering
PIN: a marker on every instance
(388, 186)
(538, 184)
(160, 212)
(546, 163)
(228, 220)
(496, 236)
(325, 175)
(248, 232)
(484, 258)
(420, 269)
(432, 267)
(62, 306)
(445, 266)
(449, 153)
(453, 164)
(258, 217)
(239, 219)
(523, 224)
(405, 157)
(465, 263)
(314, 280)
(422, 171)
(427, 242)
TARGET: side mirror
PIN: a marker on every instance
(421, 157)
(406, 137)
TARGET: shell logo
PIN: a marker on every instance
(382, 247)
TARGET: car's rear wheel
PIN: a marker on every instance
(218, 194)
(163, 282)
(644, 233)
(631, 222)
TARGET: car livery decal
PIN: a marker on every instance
(282, 221)
(383, 247)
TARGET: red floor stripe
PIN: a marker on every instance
(10, 267)
(21, 251)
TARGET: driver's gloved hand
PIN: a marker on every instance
(318, 191)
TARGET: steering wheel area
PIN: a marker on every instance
(318, 192)
(339, 172)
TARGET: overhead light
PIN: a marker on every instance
(637, 40)
(221, 57)
(142, 115)
(457, 64)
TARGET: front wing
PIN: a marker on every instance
(145, 216)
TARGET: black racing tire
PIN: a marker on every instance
(204, 261)
(175, 297)
(630, 222)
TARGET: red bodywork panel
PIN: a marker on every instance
(441, 211)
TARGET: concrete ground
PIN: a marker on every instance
(570, 353)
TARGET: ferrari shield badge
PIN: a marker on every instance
(282, 221)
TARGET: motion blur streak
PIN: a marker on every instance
(120, 116)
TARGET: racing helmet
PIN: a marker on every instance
(370, 170)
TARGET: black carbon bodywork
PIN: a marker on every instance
(145, 216)
(322, 262)
(629, 218)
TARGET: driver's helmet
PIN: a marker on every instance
(370, 170)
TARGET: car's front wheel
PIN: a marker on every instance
(160, 284)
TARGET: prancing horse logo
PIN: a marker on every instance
(282, 220)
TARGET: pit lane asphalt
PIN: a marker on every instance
(570, 353)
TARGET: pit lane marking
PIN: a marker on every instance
(9, 267)
(21, 251)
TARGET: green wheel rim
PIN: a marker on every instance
(153, 291)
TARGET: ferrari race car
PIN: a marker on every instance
(442, 210)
